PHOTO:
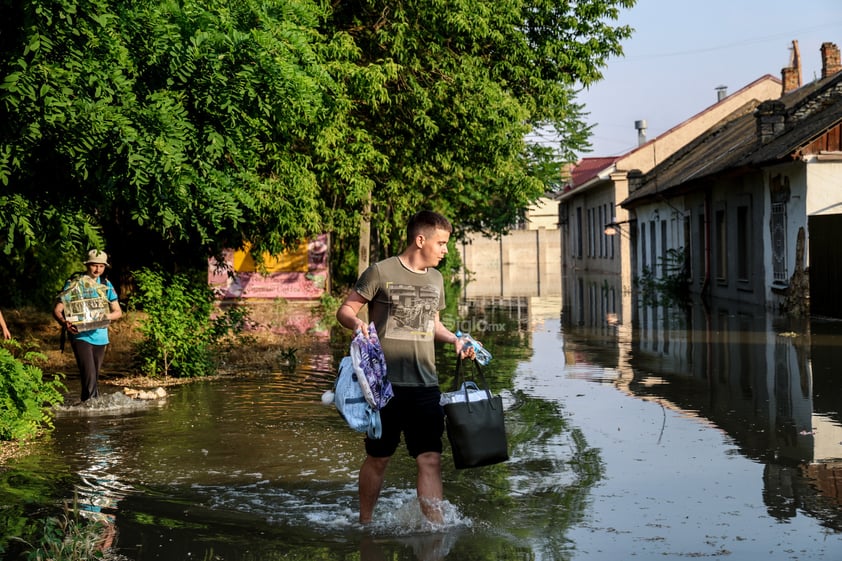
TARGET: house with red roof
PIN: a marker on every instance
(598, 235)
(753, 205)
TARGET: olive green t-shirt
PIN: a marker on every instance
(403, 305)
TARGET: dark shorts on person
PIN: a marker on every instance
(415, 412)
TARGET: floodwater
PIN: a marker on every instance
(716, 435)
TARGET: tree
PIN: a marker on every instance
(167, 131)
(446, 94)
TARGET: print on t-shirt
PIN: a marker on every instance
(412, 311)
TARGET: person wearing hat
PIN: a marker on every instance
(89, 344)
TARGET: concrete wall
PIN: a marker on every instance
(522, 263)
(542, 214)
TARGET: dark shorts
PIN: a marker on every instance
(417, 414)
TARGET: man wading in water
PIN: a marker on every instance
(404, 295)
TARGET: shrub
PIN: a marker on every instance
(69, 537)
(26, 398)
(179, 335)
(669, 288)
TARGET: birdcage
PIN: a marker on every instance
(86, 305)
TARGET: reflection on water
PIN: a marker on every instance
(752, 375)
(709, 434)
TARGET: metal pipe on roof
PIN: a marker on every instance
(640, 126)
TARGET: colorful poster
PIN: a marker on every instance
(301, 273)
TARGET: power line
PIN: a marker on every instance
(754, 41)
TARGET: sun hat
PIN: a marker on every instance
(97, 257)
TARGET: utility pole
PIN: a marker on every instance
(365, 237)
(364, 254)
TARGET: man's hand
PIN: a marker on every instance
(362, 328)
(465, 350)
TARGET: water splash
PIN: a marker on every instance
(108, 403)
(398, 512)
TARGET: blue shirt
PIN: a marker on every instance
(96, 336)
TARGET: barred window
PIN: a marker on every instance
(778, 226)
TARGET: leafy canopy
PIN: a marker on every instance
(165, 131)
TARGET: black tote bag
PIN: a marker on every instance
(475, 429)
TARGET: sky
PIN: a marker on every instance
(682, 50)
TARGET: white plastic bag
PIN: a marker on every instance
(468, 389)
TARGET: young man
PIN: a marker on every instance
(404, 295)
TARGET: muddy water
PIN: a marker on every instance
(721, 441)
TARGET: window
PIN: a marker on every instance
(721, 247)
(664, 270)
(579, 233)
(702, 245)
(778, 226)
(780, 196)
(600, 231)
(743, 244)
(653, 255)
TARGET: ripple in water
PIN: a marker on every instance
(398, 512)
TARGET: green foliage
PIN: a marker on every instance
(41, 248)
(672, 286)
(67, 537)
(180, 338)
(226, 329)
(173, 130)
(439, 113)
(450, 268)
(26, 398)
(325, 312)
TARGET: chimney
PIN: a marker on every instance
(635, 178)
(771, 119)
(721, 93)
(640, 126)
(791, 75)
(830, 59)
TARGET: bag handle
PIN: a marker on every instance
(458, 377)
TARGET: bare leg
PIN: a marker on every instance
(429, 486)
(372, 474)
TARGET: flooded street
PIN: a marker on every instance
(676, 484)
(716, 435)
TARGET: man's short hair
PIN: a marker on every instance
(425, 222)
